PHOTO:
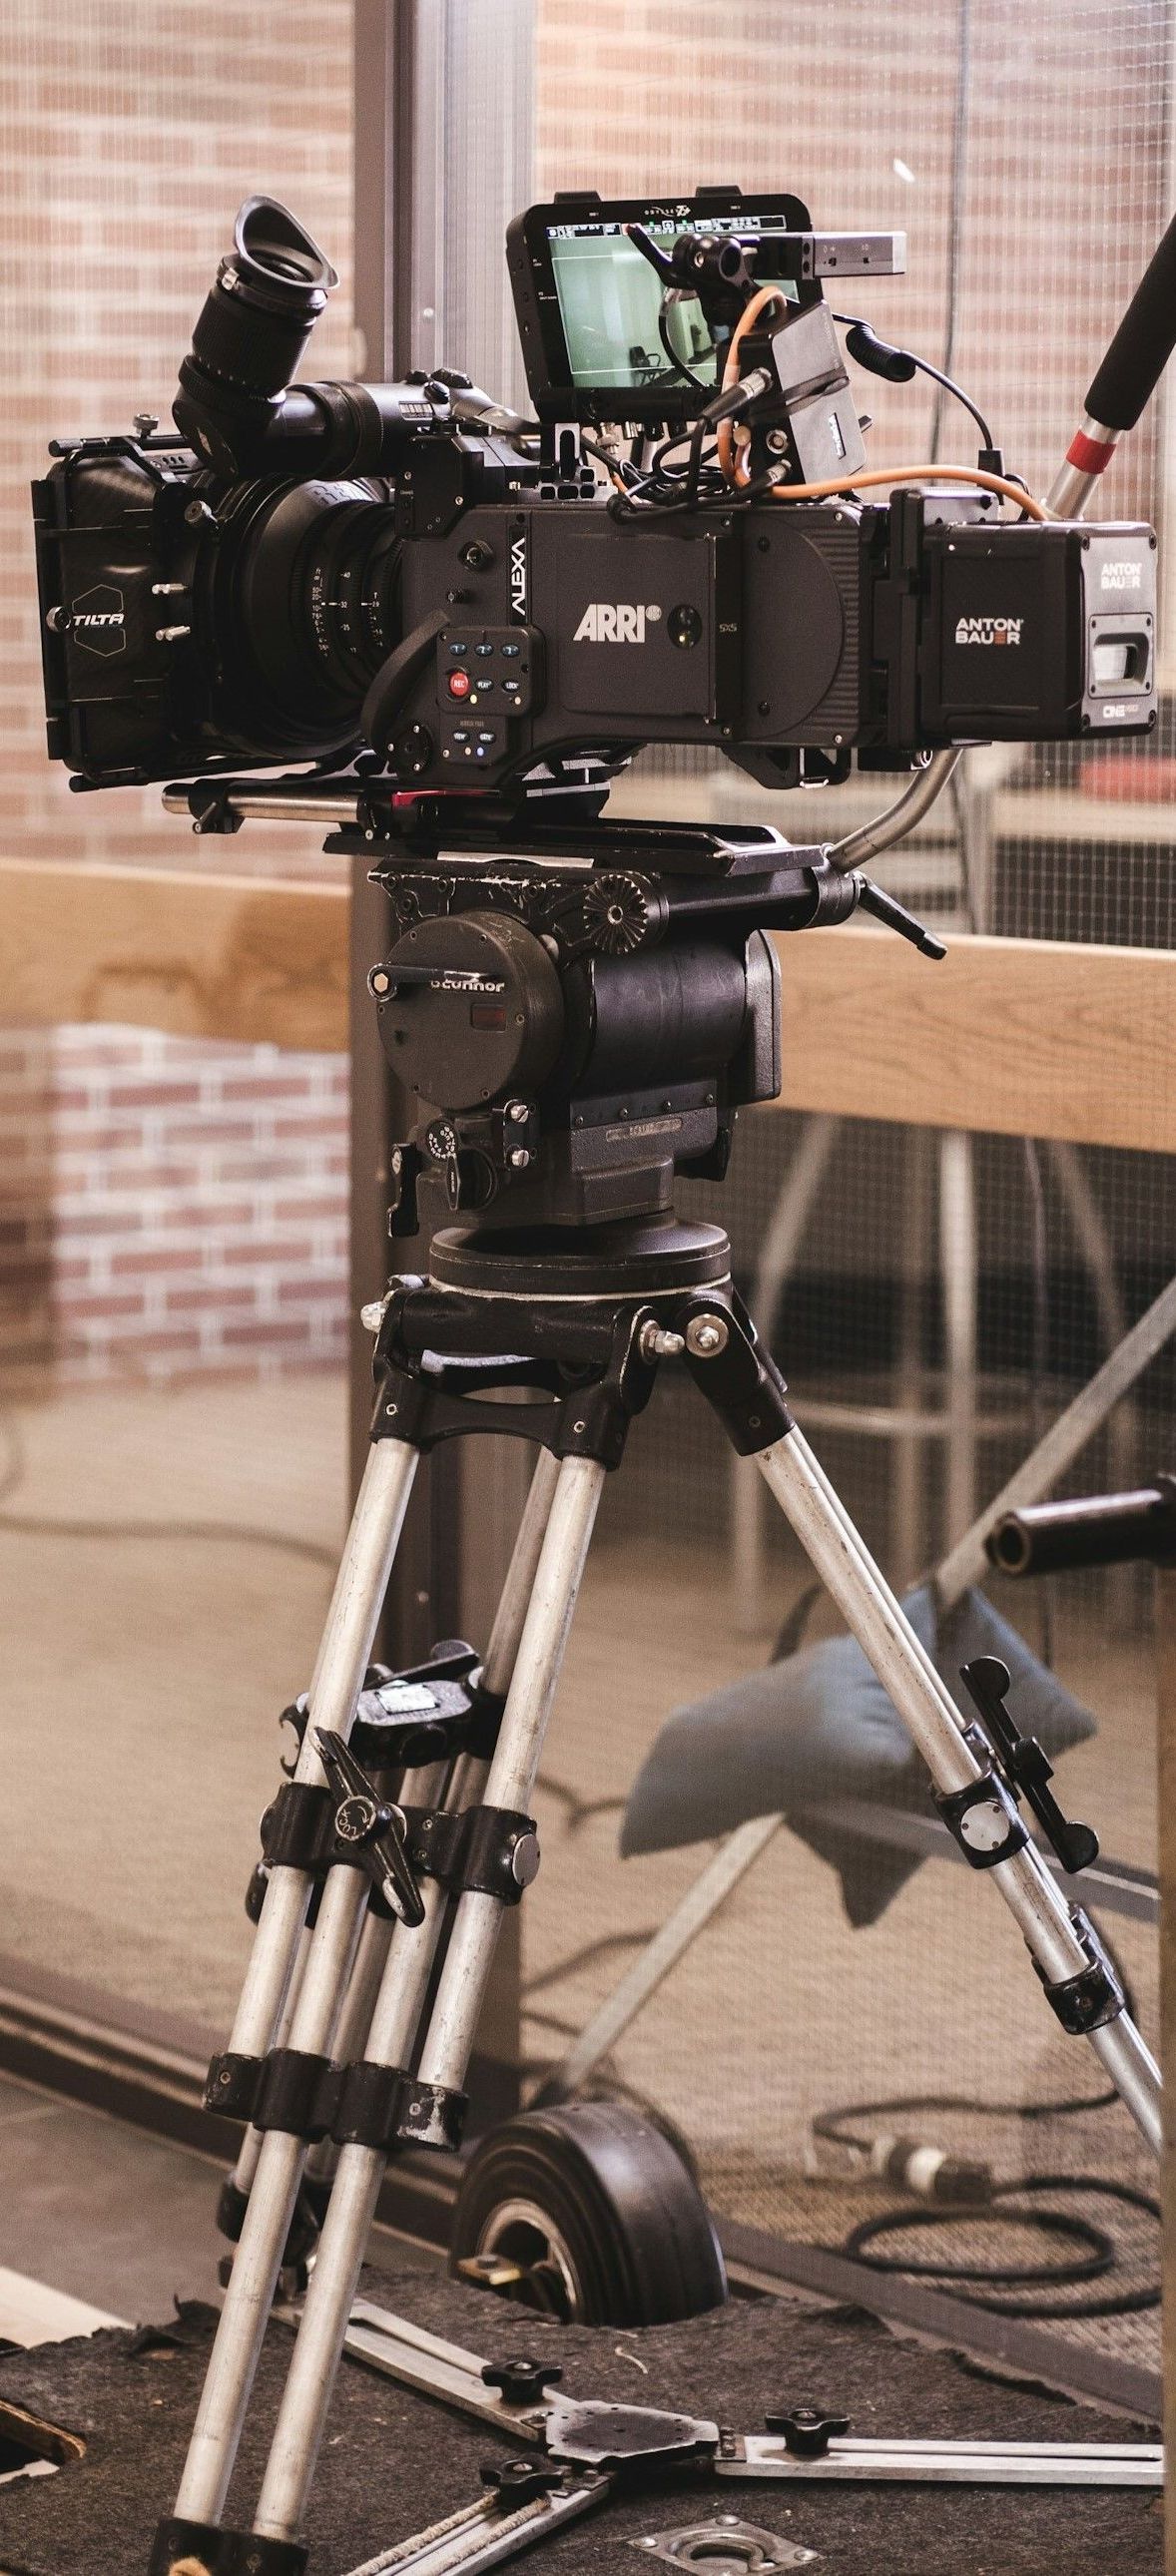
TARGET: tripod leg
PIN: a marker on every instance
(530, 1649)
(905, 1669)
(343, 1658)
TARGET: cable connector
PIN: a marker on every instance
(724, 406)
(929, 2173)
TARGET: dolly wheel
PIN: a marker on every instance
(586, 2212)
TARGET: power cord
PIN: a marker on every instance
(1101, 2256)
(960, 2192)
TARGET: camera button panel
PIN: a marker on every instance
(486, 676)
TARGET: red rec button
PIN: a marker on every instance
(460, 684)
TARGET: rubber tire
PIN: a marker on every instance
(639, 2236)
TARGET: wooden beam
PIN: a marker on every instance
(1025, 1037)
(1035, 1037)
(199, 955)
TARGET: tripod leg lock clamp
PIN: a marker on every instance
(1094, 1996)
(182, 2548)
(363, 2105)
(381, 2106)
(984, 1820)
(494, 1850)
(290, 2089)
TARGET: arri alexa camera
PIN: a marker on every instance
(464, 624)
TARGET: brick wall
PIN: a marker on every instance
(176, 1205)
(163, 1204)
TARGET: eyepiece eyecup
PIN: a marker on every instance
(249, 340)
(276, 261)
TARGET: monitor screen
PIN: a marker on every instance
(596, 323)
(616, 330)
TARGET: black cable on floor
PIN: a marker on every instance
(972, 2279)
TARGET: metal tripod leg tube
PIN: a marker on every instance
(347, 2225)
(351, 1625)
(497, 1666)
(549, 1551)
(964, 1565)
(356, 1602)
(515, 1766)
(907, 1674)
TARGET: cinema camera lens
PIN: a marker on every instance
(252, 333)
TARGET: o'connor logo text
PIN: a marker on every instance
(989, 630)
(459, 979)
(604, 623)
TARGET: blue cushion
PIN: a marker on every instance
(819, 1726)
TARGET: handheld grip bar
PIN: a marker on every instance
(1142, 345)
(1099, 1529)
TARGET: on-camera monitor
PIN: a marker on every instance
(596, 325)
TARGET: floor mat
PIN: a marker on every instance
(393, 2462)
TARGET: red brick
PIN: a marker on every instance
(207, 1300)
(298, 1292)
(154, 1095)
(136, 1264)
(287, 1211)
(265, 1086)
(255, 1336)
(263, 1255)
(210, 1213)
(103, 1309)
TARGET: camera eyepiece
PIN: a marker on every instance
(247, 344)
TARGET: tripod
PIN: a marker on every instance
(353, 2036)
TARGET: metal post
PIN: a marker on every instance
(959, 1260)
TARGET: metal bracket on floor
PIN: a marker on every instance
(578, 2448)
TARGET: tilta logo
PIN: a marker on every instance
(97, 620)
(989, 630)
(604, 623)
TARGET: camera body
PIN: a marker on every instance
(188, 626)
(315, 571)
(459, 633)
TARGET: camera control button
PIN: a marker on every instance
(459, 684)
